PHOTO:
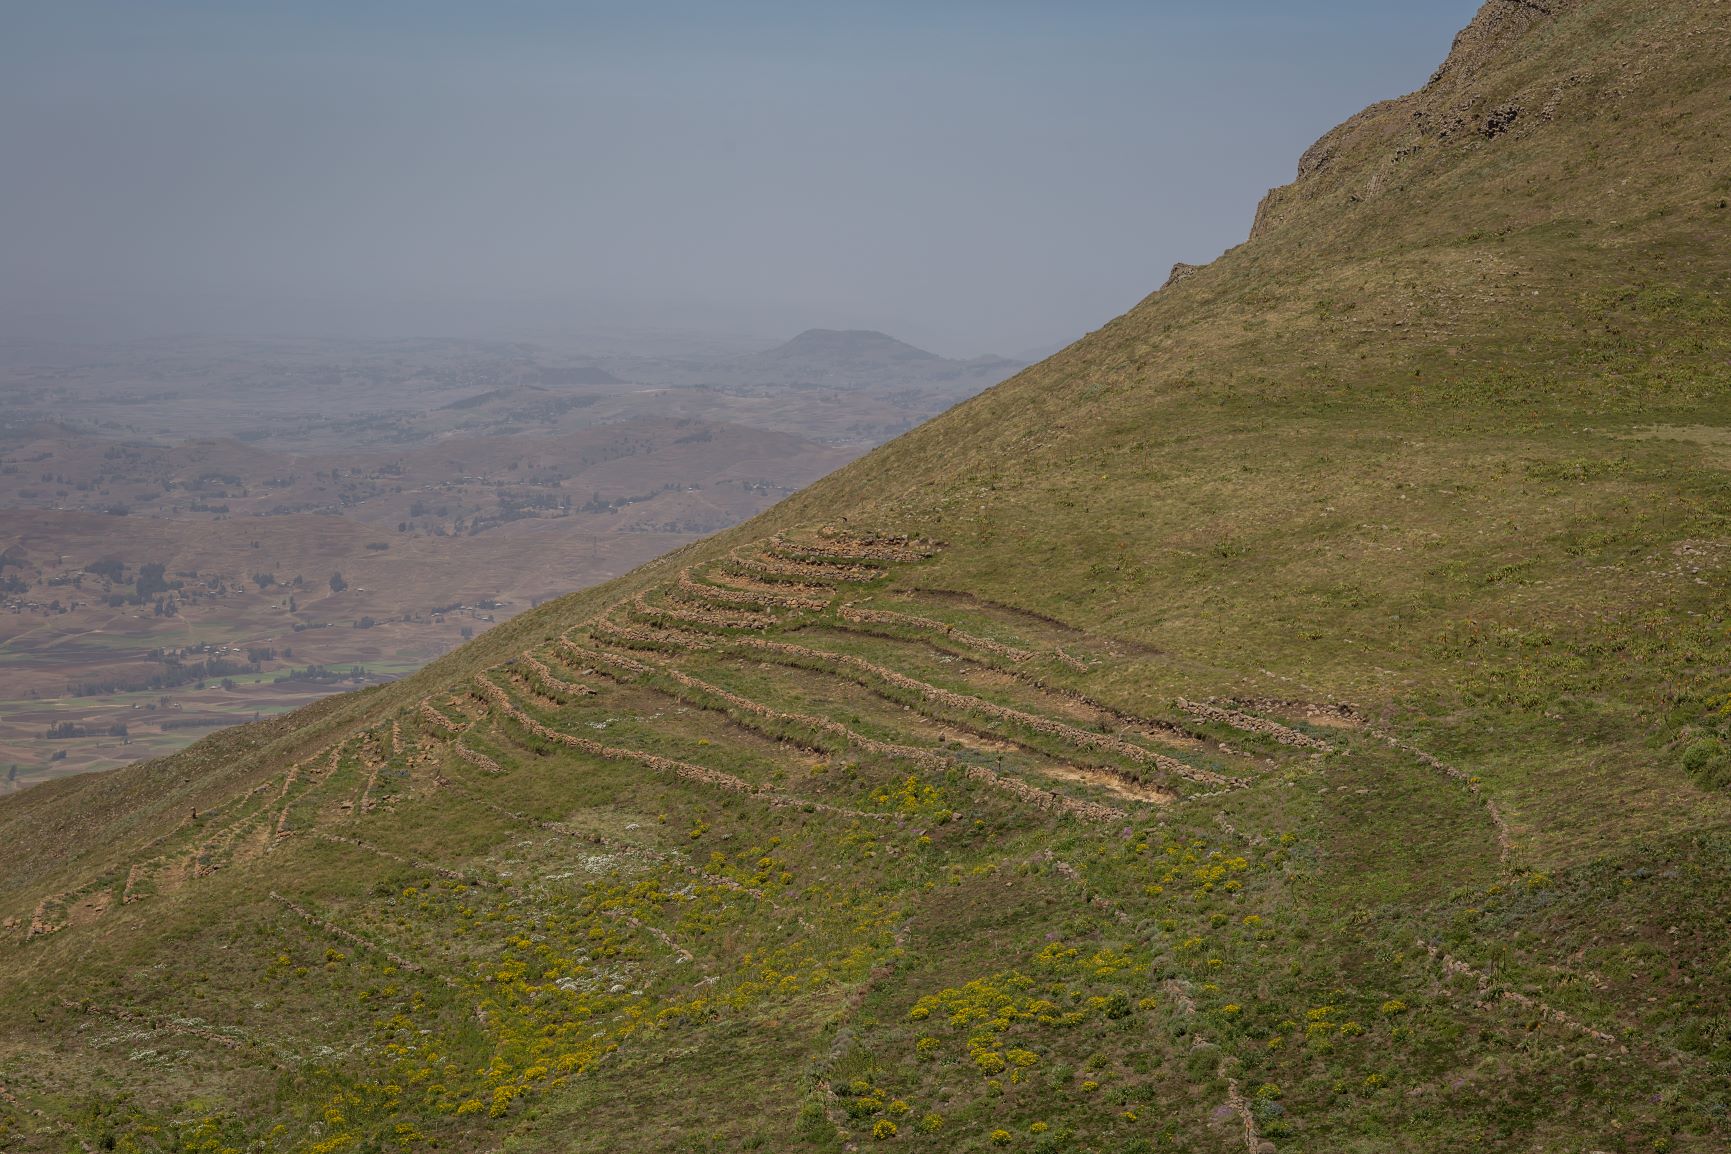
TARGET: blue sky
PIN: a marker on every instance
(971, 176)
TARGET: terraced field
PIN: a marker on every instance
(705, 825)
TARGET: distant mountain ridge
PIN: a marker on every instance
(834, 358)
(845, 345)
(851, 357)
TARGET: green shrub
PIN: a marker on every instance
(813, 1125)
(1201, 1063)
(1708, 763)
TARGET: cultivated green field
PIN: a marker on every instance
(1294, 717)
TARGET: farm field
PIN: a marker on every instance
(446, 486)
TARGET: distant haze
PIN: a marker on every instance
(992, 176)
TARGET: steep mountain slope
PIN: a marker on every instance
(1293, 717)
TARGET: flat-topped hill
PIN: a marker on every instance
(846, 344)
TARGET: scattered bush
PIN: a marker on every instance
(1708, 763)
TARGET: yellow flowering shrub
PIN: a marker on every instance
(912, 797)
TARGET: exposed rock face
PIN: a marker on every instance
(1452, 106)
(1181, 272)
(1501, 120)
(1498, 24)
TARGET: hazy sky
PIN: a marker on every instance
(971, 176)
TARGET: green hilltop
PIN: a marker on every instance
(1295, 717)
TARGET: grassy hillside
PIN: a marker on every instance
(1293, 717)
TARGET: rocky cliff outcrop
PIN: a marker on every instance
(1468, 99)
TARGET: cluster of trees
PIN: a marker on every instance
(600, 504)
(151, 583)
(152, 580)
(322, 675)
(62, 730)
(171, 673)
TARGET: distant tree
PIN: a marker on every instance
(337, 583)
(151, 580)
